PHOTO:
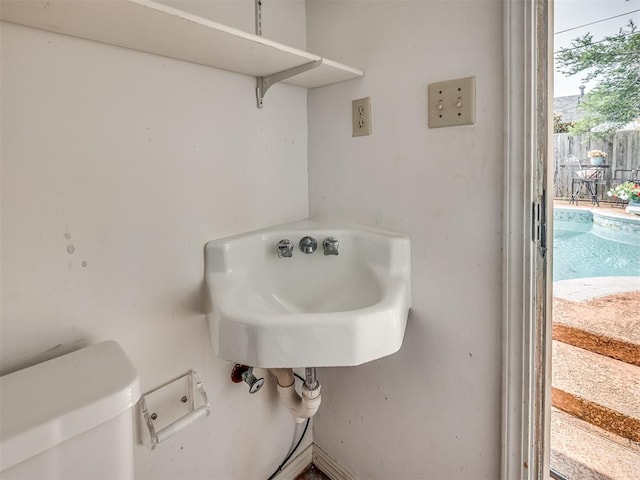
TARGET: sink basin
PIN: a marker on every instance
(310, 309)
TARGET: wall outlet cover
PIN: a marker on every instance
(452, 103)
(361, 116)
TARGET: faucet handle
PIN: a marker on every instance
(330, 246)
(308, 244)
(285, 248)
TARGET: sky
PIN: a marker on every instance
(573, 13)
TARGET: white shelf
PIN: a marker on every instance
(154, 28)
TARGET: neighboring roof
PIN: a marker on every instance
(567, 107)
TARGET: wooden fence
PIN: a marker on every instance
(623, 155)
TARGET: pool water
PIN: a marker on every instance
(582, 250)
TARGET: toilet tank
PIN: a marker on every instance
(70, 417)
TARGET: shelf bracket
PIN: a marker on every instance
(258, 17)
(265, 82)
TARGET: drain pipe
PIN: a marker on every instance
(301, 407)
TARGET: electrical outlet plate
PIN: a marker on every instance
(452, 103)
(361, 116)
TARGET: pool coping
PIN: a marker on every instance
(611, 219)
(609, 209)
(585, 289)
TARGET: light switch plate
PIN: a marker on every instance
(452, 103)
(361, 116)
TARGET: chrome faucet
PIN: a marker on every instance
(308, 244)
(285, 248)
(330, 246)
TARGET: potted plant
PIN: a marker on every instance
(596, 157)
(628, 191)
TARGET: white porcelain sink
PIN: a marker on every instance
(308, 310)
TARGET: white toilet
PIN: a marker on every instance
(70, 417)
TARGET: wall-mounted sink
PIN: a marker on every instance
(310, 309)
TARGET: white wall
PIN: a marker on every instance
(282, 20)
(117, 167)
(432, 410)
(136, 161)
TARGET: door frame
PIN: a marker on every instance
(526, 334)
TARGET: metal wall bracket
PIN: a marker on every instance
(264, 83)
(258, 7)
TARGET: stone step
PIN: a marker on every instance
(598, 389)
(580, 450)
(603, 345)
(608, 325)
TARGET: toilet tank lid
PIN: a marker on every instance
(48, 403)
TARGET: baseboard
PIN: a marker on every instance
(321, 459)
(297, 465)
(329, 466)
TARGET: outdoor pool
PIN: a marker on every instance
(587, 244)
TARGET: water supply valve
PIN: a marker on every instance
(243, 373)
